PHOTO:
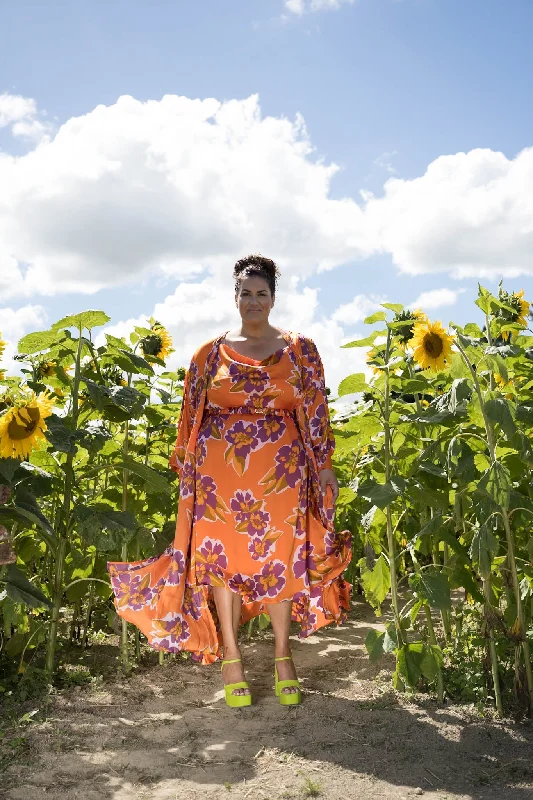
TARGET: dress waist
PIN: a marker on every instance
(282, 412)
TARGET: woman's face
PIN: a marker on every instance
(254, 299)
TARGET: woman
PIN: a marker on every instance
(254, 531)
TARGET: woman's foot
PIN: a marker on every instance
(234, 673)
(287, 671)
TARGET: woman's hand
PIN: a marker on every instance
(328, 478)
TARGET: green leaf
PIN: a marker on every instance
(374, 644)
(353, 383)
(523, 412)
(484, 548)
(86, 319)
(21, 590)
(8, 467)
(62, 438)
(375, 581)
(153, 478)
(367, 341)
(433, 586)
(382, 494)
(396, 307)
(409, 662)
(378, 316)
(37, 341)
(496, 483)
(132, 363)
(498, 410)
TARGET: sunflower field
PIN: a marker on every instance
(434, 459)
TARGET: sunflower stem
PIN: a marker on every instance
(62, 520)
(391, 541)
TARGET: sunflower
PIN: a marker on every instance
(46, 369)
(376, 354)
(518, 315)
(2, 346)
(405, 332)
(432, 346)
(158, 343)
(23, 425)
(507, 387)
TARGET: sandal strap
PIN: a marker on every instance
(289, 682)
(283, 658)
(231, 661)
(229, 687)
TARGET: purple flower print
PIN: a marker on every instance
(259, 547)
(309, 350)
(244, 585)
(192, 602)
(210, 560)
(304, 560)
(335, 543)
(271, 428)
(134, 591)
(270, 580)
(248, 379)
(176, 568)
(170, 631)
(201, 452)
(307, 625)
(248, 513)
(319, 422)
(242, 436)
(187, 480)
(205, 496)
(289, 462)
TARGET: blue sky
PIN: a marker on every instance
(385, 89)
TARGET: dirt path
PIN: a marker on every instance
(151, 738)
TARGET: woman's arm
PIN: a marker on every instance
(316, 404)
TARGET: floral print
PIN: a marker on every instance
(252, 438)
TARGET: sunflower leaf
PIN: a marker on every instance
(374, 644)
(498, 410)
(432, 586)
(367, 341)
(496, 483)
(396, 307)
(21, 590)
(85, 319)
(37, 341)
(377, 316)
(353, 383)
(484, 547)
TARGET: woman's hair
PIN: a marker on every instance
(258, 266)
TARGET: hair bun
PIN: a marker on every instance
(256, 264)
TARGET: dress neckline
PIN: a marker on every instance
(249, 359)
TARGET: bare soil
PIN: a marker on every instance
(165, 733)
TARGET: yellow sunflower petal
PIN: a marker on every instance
(431, 345)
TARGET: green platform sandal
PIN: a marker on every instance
(236, 700)
(287, 698)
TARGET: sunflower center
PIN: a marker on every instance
(433, 345)
(18, 430)
(152, 344)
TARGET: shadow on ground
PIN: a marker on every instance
(167, 733)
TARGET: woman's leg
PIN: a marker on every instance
(280, 617)
(228, 605)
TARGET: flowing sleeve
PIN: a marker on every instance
(191, 391)
(316, 404)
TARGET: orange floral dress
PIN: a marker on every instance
(252, 437)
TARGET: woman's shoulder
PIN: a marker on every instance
(202, 352)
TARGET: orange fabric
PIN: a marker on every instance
(252, 437)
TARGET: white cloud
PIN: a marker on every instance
(180, 188)
(436, 298)
(171, 186)
(384, 161)
(196, 312)
(21, 113)
(300, 7)
(356, 310)
(14, 324)
(470, 214)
